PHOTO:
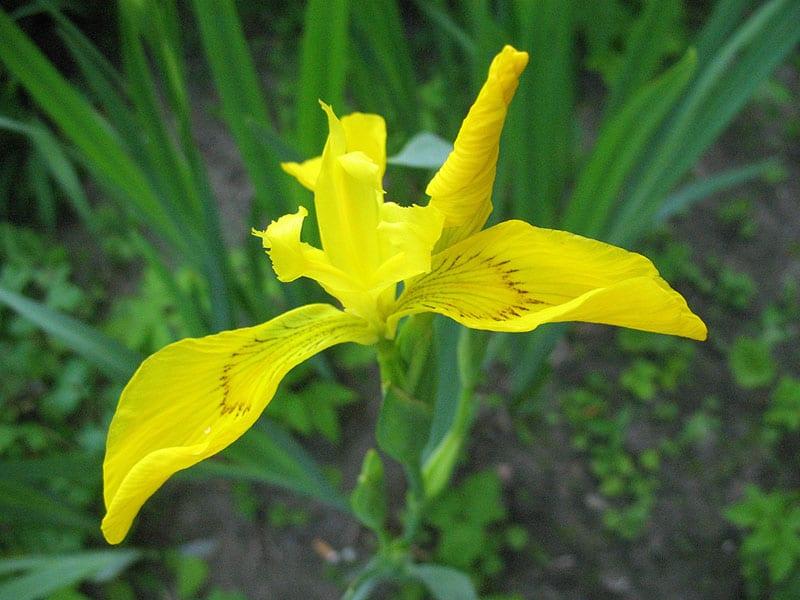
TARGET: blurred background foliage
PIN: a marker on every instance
(141, 140)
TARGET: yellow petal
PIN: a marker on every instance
(305, 172)
(407, 235)
(193, 398)
(514, 277)
(363, 132)
(347, 199)
(292, 258)
(366, 133)
(462, 189)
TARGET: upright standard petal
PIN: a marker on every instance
(462, 188)
(193, 398)
(364, 132)
(514, 277)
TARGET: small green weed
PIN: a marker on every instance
(770, 550)
(752, 363)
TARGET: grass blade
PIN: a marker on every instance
(109, 356)
(387, 61)
(99, 144)
(539, 136)
(323, 67)
(47, 574)
(268, 454)
(693, 192)
(649, 42)
(243, 105)
(714, 97)
(620, 144)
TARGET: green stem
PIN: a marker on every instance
(415, 503)
(391, 367)
(393, 374)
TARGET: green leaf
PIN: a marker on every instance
(383, 47)
(423, 151)
(402, 424)
(448, 389)
(77, 467)
(686, 196)
(751, 362)
(416, 344)
(323, 66)
(46, 574)
(368, 499)
(718, 92)
(243, 105)
(267, 454)
(539, 135)
(25, 506)
(98, 142)
(619, 147)
(649, 41)
(444, 583)
(109, 356)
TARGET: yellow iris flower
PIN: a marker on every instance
(193, 398)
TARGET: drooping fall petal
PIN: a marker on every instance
(462, 188)
(193, 398)
(514, 277)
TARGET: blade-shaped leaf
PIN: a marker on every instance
(444, 583)
(100, 145)
(24, 506)
(108, 355)
(423, 151)
(268, 454)
(540, 130)
(619, 147)
(719, 182)
(713, 98)
(44, 575)
(323, 65)
(243, 104)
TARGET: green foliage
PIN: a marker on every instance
(734, 289)
(368, 498)
(771, 545)
(738, 215)
(34, 577)
(131, 128)
(401, 420)
(311, 406)
(783, 413)
(751, 362)
(466, 519)
(628, 481)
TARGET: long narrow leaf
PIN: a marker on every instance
(83, 126)
(243, 104)
(268, 454)
(714, 97)
(323, 67)
(109, 356)
(649, 42)
(619, 146)
(540, 130)
(683, 198)
(384, 47)
(44, 575)
(25, 506)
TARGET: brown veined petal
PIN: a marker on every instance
(462, 188)
(514, 277)
(193, 398)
